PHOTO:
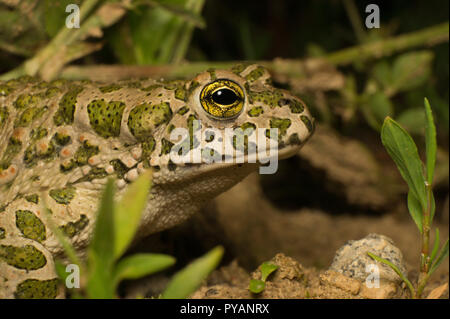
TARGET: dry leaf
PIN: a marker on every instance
(437, 292)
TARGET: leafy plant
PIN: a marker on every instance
(257, 286)
(421, 205)
(114, 230)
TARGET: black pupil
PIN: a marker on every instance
(224, 96)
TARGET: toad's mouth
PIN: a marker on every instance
(262, 158)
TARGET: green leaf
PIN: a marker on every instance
(129, 210)
(382, 72)
(411, 70)
(101, 248)
(442, 255)
(415, 210)
(435, 246)
(403, 151)
(256, 286)
(430, 140)
(157, 34)
(394, 268)
(413, 120)
(266, 269)
(189, 278)
(140, 265)
(376, 108)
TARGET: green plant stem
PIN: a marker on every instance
(427, 37)
(65, 37)
(292, 68)
(425, 262)
(355, 20)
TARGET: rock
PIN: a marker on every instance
(352, 259)
(340, 281)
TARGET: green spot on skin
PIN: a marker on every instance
(105, 118)
(294, 139)
(238, 68)
(170, 128)
(66, 110)
(281, 124)
(61, 139)
(166, 146)
(84, 152)
(307, 123)
(12, 149)
(270, 98)
(37, 289)
(148, 147)
(2, 233)
(144, 118)
(72, 228)
(94, 173)
(5, 90)
(63, 195)
(33, 198)
(192, 127)
(67, 166)
(240, 138)
(32, 155)
(151, 87)
(38, 133)
(295, 106)
(27, 100)
(212, 74)
(30, 225)
(180, 93)
(29, 115)
(52, 91)
(110, 88)
(3, 116)
(119, 167)
(192, 87)
(255, 74)
(183, 110)
(255, 111)
(59, 83)
(26, 257)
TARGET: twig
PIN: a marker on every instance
(292, 68)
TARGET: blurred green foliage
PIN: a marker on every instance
(171, 31)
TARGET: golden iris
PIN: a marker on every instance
(222, 99)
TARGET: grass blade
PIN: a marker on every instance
(442, 255)
(435, 246)
(140, 265)
(430, 142)
(189, 278)
(101, 248)
(129, 211)
(394, 268)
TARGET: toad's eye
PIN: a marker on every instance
(222, 99)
